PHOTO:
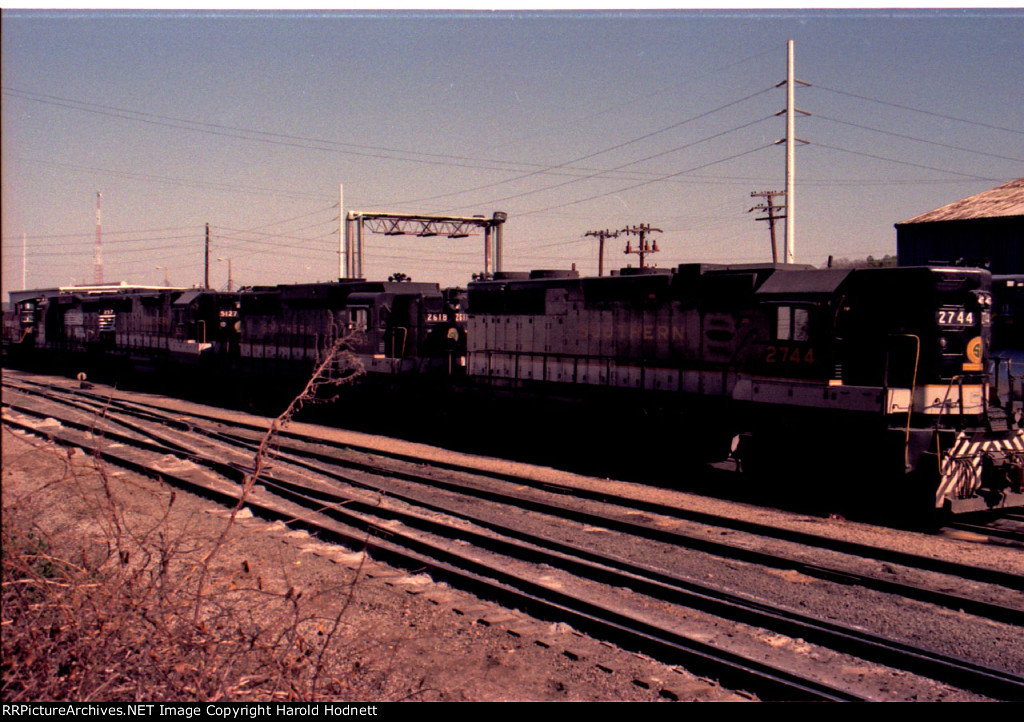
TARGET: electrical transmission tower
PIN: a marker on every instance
(791, 140)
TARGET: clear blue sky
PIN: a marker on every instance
(569, 122)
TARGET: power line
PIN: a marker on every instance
(575, 122)
(62, 252)
(295, 195)
(640, 185)
(54, 236)
(919, 140)
(295, 218)
(282, 139)
(903, 162)
(216, 129)
(919, 110)
(200, 126)
(600, 152)
(634, 162)
(280, 234)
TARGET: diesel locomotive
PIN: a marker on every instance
(875, 380)
(270, 336)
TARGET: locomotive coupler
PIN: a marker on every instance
(1000, 471)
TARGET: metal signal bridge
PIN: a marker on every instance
(357, 223)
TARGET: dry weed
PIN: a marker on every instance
(128, 606)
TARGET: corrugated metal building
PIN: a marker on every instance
(988, 227)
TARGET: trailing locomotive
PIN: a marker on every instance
(858, 375)
(222, 340)
(395, 329)
(112, 328)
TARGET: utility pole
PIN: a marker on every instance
(230, 281)
(98, 253)
(23, 251)
(791, 140)
(206, 277)
(601, 236)
(642, 248)
(342, 228)
(772, 216)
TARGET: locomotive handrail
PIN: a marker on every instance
(401, 352)
(944, 406)
(913, 388)
(938, 420)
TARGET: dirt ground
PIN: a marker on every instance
(117, 587)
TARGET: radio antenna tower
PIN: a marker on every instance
(98, 255)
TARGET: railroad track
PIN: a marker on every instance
(313, 452)
(1005, 525)
(415, 520)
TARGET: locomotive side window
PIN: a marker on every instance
(792, 324)
(358, 318)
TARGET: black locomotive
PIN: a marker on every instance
(873, 379)
(395, 328)
(108, 331)
(857, 375)
(267, 337)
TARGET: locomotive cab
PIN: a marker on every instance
(408, 328)
(922, 330)
(21, 323)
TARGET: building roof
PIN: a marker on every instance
(1003, 202)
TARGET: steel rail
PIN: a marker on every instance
(677, 590)
(948, 600)
(989, 610)
(979, 574)
(652, 582)
(515, 590)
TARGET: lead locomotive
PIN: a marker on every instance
(871, 377)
